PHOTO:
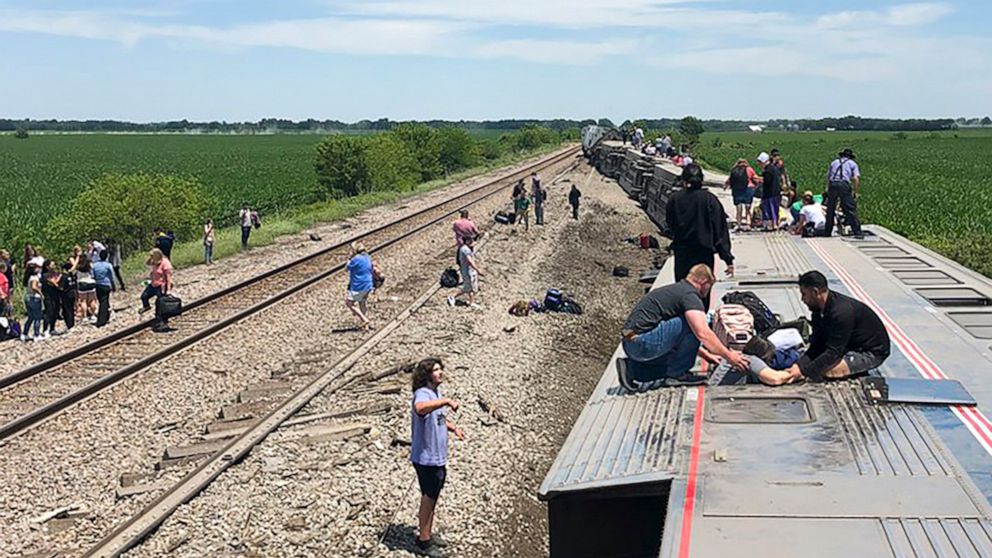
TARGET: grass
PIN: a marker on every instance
(933, 188)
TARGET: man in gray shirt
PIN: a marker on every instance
(664, 331)
(537, 191)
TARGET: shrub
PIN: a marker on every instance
(21, 133)
(491, 150)
(128, 207)
(390, 163)
(341, 168)
(425, 146)
(458, 150)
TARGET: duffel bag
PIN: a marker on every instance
(168, 306)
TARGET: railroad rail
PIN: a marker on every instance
(38, 392)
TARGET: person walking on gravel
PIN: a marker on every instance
(573, 199)
(359, 284)
(470, 273)
(463, 228)
(539, 194)
(843, 180)
(429, 447)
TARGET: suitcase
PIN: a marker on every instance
(168, 306)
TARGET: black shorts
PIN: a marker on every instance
(431, 479)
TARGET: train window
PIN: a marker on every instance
(979, 324)
(954, 296)
(778, 410)
(902, 262)
(925, 277)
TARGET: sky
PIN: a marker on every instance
(144, 60)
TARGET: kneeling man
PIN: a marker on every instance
(848, 337)
(663, 333)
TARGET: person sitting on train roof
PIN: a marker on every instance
(848, 337)
(664, 331)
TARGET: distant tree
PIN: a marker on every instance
(129, 207)
(987, 121)
(21, 133)
(690, 128)
(606, 123)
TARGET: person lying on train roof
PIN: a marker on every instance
(662, 336)
(848, 338)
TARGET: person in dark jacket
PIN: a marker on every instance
(573, 199)
(164, 241)
(848, 338)
(698, 226)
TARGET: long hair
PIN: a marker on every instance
(422, 373)
(154, 257)
(29, 252)
(84, 264)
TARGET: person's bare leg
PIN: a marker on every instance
(357, 312)
(840, 370)
(426, 517)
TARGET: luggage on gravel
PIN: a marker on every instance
(620, 271)
(733, 325)
(552, 300)
(168, 306)
(502, 218)
(449, 278)
(764, 319)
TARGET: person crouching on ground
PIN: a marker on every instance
(848, 338)
(359, 284)
(429, 446)
(811, 220)
(160, 274)
(470, 273)
(663, 333)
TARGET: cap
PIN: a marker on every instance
(763, 157)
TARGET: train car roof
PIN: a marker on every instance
(812, 469)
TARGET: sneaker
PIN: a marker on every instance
(47, 336)
(437, 541)
(476, 305)
(144, 309)
(622, 375)
(451, 300)
(24, 338)
(427, 548)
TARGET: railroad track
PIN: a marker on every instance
(332, 379)
(36, 393)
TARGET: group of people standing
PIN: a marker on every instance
(776, 191)
(76, 289)
(537, 196)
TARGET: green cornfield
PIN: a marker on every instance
(42, 174)
(934, 188)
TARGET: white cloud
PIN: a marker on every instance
(556, 52)
(902, 15)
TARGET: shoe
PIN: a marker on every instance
(476, 305)
(143, 310)
(47, 336)
(624, 378)
(428, 548)
(437, 541)
(451, 300)
(24, 338)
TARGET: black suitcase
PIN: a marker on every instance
(168, 306)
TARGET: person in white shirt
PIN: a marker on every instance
(812, 220)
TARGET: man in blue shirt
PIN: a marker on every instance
(843, 180)
(429, 446)
(359, 283)
(103, 275)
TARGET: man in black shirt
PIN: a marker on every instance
(664, 331)
(848, 337)
(698, 226)
(771, 192)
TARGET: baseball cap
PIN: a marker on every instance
(763, 157)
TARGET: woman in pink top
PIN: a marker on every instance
(463, 227)
(160, 284)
